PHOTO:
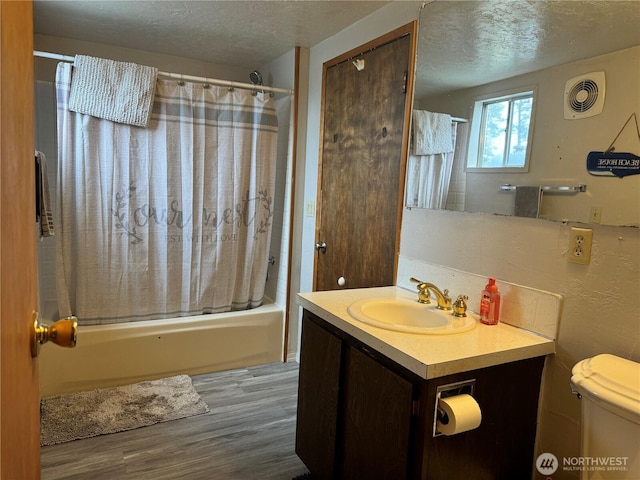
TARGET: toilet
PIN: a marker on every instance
(609, 388)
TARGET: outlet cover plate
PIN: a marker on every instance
(580, 245)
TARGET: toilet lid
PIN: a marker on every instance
(611, 381)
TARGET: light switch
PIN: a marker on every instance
(310, 208)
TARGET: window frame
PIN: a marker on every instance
(476, 135)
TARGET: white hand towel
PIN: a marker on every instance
(431, 133)
(117, 91)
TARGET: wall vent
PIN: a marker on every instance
(584, 96)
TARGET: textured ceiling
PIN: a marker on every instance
(240, 33)
(462, 43)
(469, 43)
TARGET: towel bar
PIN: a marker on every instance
(551, 189)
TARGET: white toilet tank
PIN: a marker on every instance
(610, 391)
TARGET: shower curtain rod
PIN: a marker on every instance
(179, 76)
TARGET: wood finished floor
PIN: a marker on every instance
(248, 434)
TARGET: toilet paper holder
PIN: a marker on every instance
(449, 390)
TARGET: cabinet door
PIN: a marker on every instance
(375, 421)
(318, 390)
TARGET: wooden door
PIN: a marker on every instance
(19, 398)
(364, 140)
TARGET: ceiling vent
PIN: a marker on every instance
(584, 96)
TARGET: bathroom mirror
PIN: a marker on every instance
(469, 51)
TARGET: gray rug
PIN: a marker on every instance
(87, 414)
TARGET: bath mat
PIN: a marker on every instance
(74, 416)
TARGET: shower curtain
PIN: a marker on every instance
(169, 220)
(429, 176)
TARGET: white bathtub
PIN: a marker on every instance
(119, 354)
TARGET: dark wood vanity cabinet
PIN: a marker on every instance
(318, 396)
(362, 416)
(375, 419)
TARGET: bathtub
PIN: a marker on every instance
(119, 354)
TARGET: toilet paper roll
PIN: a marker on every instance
(459, 413)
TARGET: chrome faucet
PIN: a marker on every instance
(424, 289)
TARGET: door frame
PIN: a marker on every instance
(408, 29)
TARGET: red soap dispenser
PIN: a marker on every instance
(490, 303)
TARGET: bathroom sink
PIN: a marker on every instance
(409, 316)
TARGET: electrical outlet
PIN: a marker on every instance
(580, 245)
(596, 215)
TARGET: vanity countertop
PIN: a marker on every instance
(428, 356)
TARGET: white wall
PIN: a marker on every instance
(280, 73)
(560, 147)
(45, 69)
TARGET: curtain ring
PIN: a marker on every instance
(181, 81)
(206, 83)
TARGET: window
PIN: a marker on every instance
(501, 133)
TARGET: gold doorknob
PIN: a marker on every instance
(63, 333)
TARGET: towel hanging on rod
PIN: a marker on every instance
(178, 76)
(121, 92)
(44, 214)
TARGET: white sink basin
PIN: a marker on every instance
(405, 315)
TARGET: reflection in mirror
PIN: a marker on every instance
(582, 61)
(503, 136)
